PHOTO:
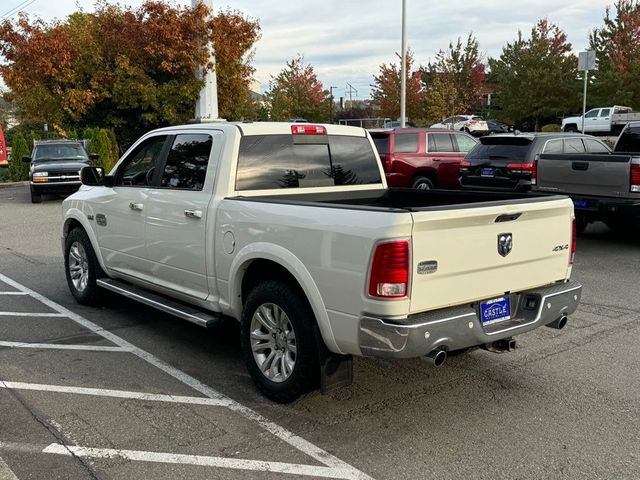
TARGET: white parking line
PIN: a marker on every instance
(62, 346)
(27, 314)
(5, 472)
(200, 460)
(345, 470)
(13, 293)
(102, 392)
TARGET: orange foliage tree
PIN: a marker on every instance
(130, 69)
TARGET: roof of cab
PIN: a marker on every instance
(264, 128)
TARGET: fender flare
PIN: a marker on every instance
(287, 260)
(76, 214)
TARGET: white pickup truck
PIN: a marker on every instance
(290, 229)
(601, 120)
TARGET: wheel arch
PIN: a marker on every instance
(268, 261)
(75, 219)
(429, 173)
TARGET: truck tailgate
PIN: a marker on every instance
(465, 244)
(603, 175)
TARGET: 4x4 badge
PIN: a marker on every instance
(505, 244)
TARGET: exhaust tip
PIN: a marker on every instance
(436, 357)
(559, 323)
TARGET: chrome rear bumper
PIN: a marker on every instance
(459, 327)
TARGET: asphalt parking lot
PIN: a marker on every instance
(124, 391)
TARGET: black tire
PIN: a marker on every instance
(622, 225)
(305, 375)
(422, 183)
(581, 224)
(571, 129)
(36, 197)
(89, 294)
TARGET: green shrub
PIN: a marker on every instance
(552, 127)
(19, 170)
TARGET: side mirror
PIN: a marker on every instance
(94, 156)
(26, 159)
(95, 177)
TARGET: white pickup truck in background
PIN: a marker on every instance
(290, 229)
(601, 120)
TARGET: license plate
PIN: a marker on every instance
(488, 172)
(496, 310)
(580, 203)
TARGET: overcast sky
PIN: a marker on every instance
(347, 40)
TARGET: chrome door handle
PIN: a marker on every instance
(136, 206)
(193, 213)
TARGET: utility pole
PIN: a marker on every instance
(351, 90)
(207, 103)
(403, 70)
(331, 104)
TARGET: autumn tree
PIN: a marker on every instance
(131, 69)
(297, 92)
(385, 95)
(617, 47)
(454, 80)
(537, 77)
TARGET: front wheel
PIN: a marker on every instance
(278, 341)
(36, 197)
(81, 267)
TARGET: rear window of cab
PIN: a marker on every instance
(269, 162)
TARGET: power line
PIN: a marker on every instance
(16, 9)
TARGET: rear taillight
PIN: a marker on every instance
(573, 241)
(465, 164)
(387, 162)
(389, 277)
(520, 167)
(635, 175)
(308, 130)
(534, 172)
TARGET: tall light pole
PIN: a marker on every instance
(586, 62)
(207, 103)
(403, 69)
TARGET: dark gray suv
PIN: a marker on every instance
(506, 161)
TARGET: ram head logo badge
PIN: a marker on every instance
(505, 244)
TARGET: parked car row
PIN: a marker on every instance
(604, 185)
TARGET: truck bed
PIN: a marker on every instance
(404, 200)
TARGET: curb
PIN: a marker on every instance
(12, 184)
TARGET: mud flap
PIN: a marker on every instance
(336, 371)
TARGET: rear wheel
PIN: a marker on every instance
(581, 224)
(36, 197)
(422, 183)
(278, 341)
(622, 225)
(81, 267)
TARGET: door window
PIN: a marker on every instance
(139, 167)
(406, 143)
(605, 112)
(594, 146)
(440, 142)
(592, 113)
(573, 145)
(186, 165)
(465, 144)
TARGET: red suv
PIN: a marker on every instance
(422, 158)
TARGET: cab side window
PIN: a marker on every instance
(139, 167)
(594, 146)
(554, 146)
(592, 113)
(186, 165)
